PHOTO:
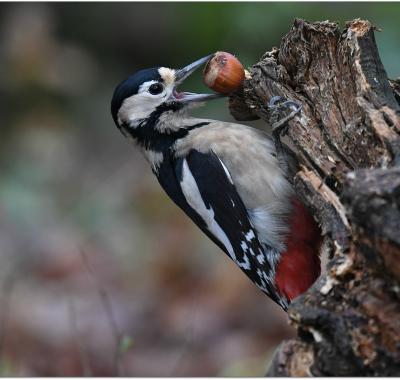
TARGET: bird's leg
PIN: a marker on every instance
(279, 117)
(280, 112)
(278, 106)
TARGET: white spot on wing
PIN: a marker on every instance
(261, 258)
(193, 197)
(250, 235)
(245, 264)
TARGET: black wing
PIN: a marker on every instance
(201, 185)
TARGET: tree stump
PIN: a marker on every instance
(347, 140)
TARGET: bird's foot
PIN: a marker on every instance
(278, 107)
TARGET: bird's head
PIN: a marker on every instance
(150, 95)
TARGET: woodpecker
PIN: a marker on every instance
(233, 181)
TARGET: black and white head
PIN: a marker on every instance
(148, 101)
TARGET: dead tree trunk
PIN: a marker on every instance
(347, 140)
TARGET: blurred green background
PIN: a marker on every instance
(95, 261)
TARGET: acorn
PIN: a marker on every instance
(223, 73)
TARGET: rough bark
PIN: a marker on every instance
(347, 140)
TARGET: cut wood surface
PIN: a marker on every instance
(347, 140)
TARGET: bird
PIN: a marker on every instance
(234, 181)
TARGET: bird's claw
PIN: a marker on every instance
(279, 106)
(281, 102)
(273, 101)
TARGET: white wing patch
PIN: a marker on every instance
(193, 197)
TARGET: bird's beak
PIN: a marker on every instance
(182, 74)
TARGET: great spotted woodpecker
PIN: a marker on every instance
(232, 180)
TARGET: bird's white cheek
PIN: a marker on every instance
(138, 107)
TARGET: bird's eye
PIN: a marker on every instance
(156, 88)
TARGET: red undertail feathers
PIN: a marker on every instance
(300, 264)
